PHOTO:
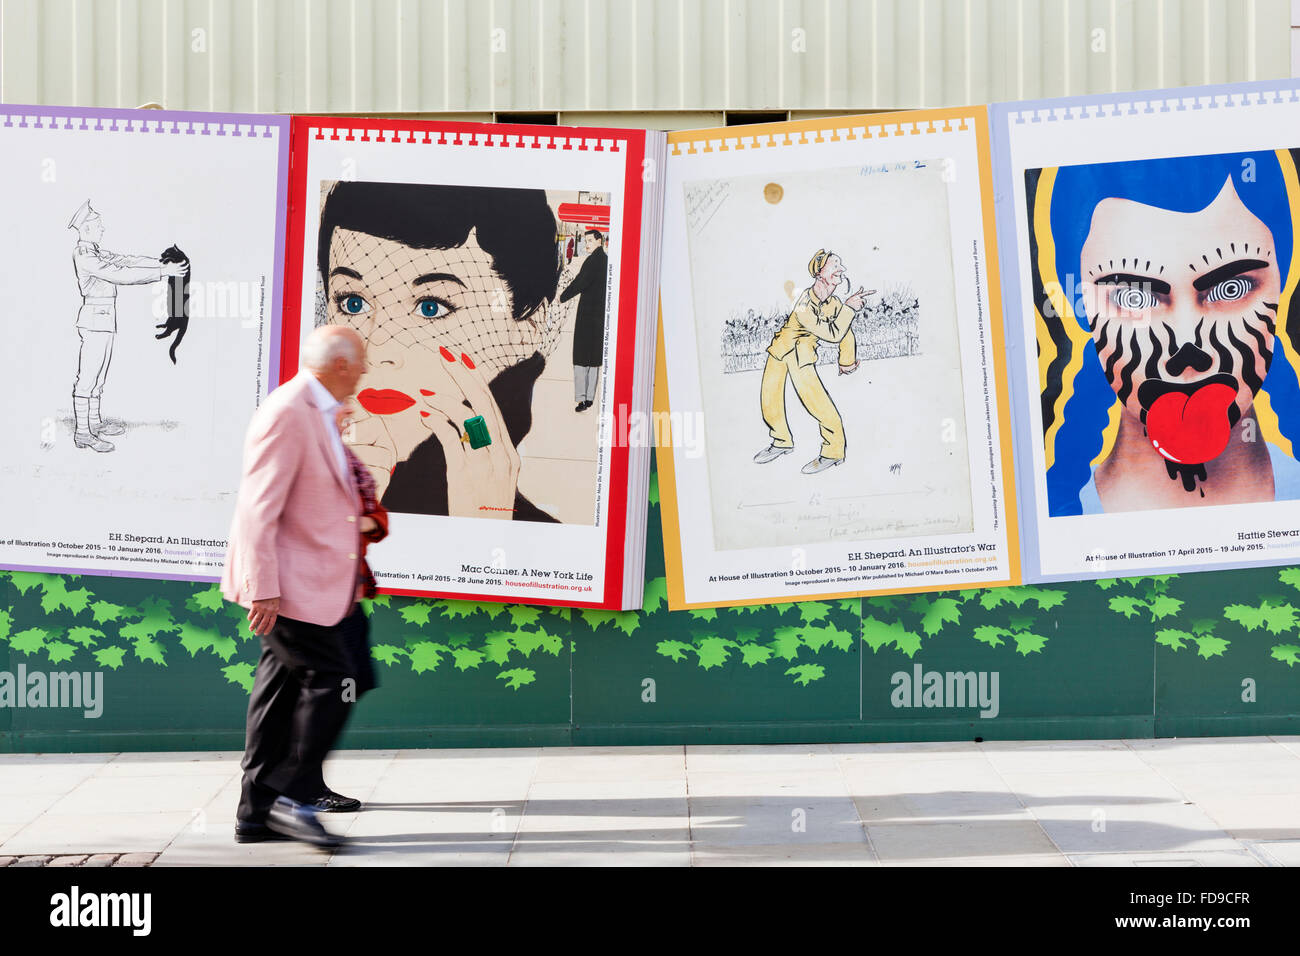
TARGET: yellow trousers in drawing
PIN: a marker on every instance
(811, 392)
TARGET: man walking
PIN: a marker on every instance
(817, 316)
(294, 562)
(589, 326)
(99, 273)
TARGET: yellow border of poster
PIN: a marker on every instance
(872, 126)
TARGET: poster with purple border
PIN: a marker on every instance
(1149, 281)
(141, 266)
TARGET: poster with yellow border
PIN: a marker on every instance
(830, 362)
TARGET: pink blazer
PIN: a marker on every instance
(296, 532)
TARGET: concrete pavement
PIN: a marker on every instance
(1182, 802)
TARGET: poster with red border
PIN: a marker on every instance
(496, 275)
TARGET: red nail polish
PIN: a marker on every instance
(469, 362)
(425, 391)
(424, 414)
(445, 354)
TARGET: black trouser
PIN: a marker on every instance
(295, 714)
(353, 632)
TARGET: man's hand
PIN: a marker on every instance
(177, 269)
(262, 615)
(858, 299)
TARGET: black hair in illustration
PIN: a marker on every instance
(516, 227)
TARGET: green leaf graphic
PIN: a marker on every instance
(812, 611)
(877, 633)
(990, 634)
(85, 636)
(752, 654)
(1027, 643)
(1273, 618)
(785, 642)
(839, 638)
(56, 595)
(1209, 647)
(59, 651)
(517, 677)
(241, 674)
(1172, 638)
(908, 643)
(147, 649)
(387, 653)
(156, 619)
(497, 647)
(815, 638)
(1049, 598)
(1287, 653)
(104, 611)
(461, 609)
(209, 600)
(417, 613)
(522, 615)
(806, 673)
(656, 594)
(674, 649)
(465, 658)
(1162, 605)
(24, 581)
(426, 655)
(110, 657)
(713, 651)
(29, 641)
(1126, 604)
(195, 639)
(940, 612)
(528, 641)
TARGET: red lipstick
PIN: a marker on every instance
(385, 401)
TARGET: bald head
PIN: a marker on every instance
(335, 354)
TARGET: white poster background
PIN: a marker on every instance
(905, 470)
(175, 472)
(431, 552)
(791, 573)
(1160, 124)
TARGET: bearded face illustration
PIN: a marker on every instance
(1182, 308)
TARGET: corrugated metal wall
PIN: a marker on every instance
(613, 56)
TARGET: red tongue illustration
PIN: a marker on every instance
(1191, 429)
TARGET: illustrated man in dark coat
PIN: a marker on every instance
(589, 327)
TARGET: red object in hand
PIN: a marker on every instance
(1191, 429)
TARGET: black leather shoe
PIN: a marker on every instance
(333, 802)
(255, 833)
(297, 821)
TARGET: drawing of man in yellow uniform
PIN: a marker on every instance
(817, 316)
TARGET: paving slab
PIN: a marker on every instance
(1209, 858)
(1189, 802)
(926, 841)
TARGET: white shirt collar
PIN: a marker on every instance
(324, 400)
